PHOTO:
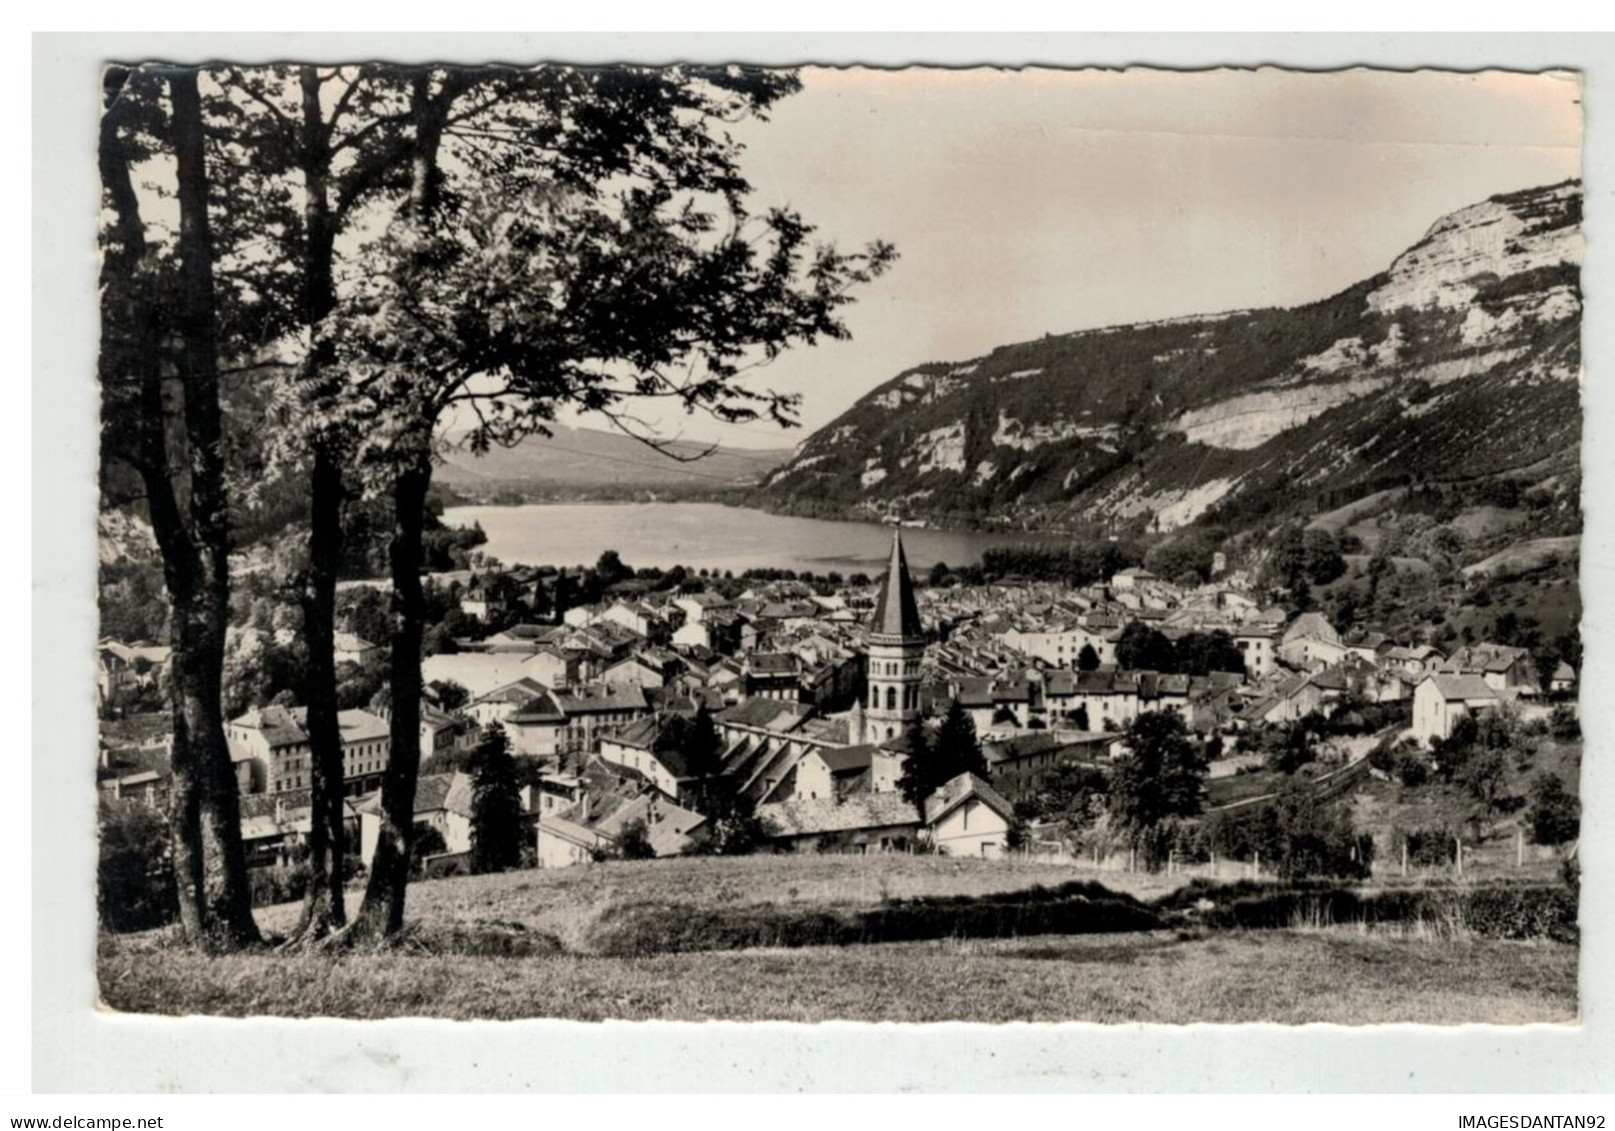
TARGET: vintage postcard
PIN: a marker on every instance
(722, 542)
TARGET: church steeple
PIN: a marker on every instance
(896, 613)
(896, 647)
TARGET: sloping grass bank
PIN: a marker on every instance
(1081, 907)
(1492, 911)
(1281, 976)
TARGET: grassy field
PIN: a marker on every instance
(1336, 976)
(1341, 974)
(567, 902)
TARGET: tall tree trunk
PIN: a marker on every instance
(382, 912)
(134, 422)
(200, 627)
(323, 907)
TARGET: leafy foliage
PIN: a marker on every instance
(1555, 812)
(1159, 779)
(931, 763)
(498, 828)
(135, 876)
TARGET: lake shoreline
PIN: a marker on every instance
(713, 535)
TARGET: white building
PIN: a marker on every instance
(1440, 701)
(967, 817)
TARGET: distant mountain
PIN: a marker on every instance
(586, 457)
(1461, 360)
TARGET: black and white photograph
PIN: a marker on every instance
(728, 542)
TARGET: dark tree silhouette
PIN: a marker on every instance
(1159, 778)
(498, 827)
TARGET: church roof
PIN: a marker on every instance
(896, 613)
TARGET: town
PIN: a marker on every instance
(723, 715)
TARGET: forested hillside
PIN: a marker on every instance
(1461, 361)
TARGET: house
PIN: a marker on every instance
(1503, 668)
(667, 826)
(519, 638)
(126, 669)
(1015, 763)
(1164, 691)
(771, 675)
(350, 648)
(1255, 644)
(1563, 680)
(636, 672)
(635, 616)
(1369, 645)
(150, 788)
(439, 731)
(864, 823)
(537, 728)
(1311, 642)
(967, 817)
(1059, 693)
(273, 825)
(1110, 698)
(1441, 700)
(481, 672)
(634, 748)
(592, 713)
(1057, 645)
(696, 606)
(1132, 578)
(563, 842)
(1284, 702)
(1413, 662)
(483, 600)
(828, 772)
(583, 833)
(502, 702)
(834, 682)
(442, 804)
(277, 738)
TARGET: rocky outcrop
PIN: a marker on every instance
(1462, 359)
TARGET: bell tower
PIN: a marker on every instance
(896, 646)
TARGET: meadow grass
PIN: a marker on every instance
(1290, 977)
(518, 946)
(568, 902)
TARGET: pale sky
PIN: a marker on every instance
(1025, 202)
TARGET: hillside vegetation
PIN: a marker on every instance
(1460, 362)
(519, 945)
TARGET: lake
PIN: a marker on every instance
(710, 536)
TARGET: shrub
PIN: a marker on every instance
(1502, 911)
(1412, 768)
(482, 939)
(1523, 913)
(1555, 814)
(279, 883)
(1564, 724)
(634, 930)
(135, 888)
(1432, 846)
(634, 842)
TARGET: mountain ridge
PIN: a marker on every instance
(1461, 358)
(585, 458)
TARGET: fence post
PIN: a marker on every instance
(1519, 848)
(1404, 856)
(1458, 855)
(1256, 865)
(1171, 859)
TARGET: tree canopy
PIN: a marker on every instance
(1160, 777)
